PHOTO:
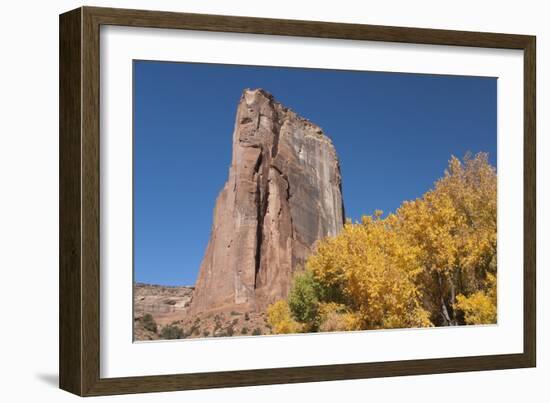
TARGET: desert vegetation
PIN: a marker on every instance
(431, 263)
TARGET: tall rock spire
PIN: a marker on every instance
(283, 193)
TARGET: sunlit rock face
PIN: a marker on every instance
(284, 192)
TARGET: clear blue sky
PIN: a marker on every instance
(394, 134)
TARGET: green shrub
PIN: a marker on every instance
(257, 332)
(246, 316)
(149, 323)
(217, 322)
(171, 332)
(194, 331)
(244, 330)
(303, 298)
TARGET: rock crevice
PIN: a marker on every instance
(261, 232)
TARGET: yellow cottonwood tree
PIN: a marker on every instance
(431, 263)
(374, 271)
(280, 318)
(454, 226)
(480, 307)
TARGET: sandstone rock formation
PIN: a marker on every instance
(284, 192)
(151, 298)
(165, 304)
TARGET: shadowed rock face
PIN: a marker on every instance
(284, 192)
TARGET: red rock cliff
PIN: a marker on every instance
(284, 192)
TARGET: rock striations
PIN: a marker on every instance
(284, 192)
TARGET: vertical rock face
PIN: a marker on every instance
(284, 192)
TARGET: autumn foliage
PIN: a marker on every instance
(431, 263)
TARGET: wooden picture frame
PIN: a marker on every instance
(79, 347)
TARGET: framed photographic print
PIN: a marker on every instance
(249, 201)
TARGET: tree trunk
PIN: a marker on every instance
(444, 311)
(453, 300)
